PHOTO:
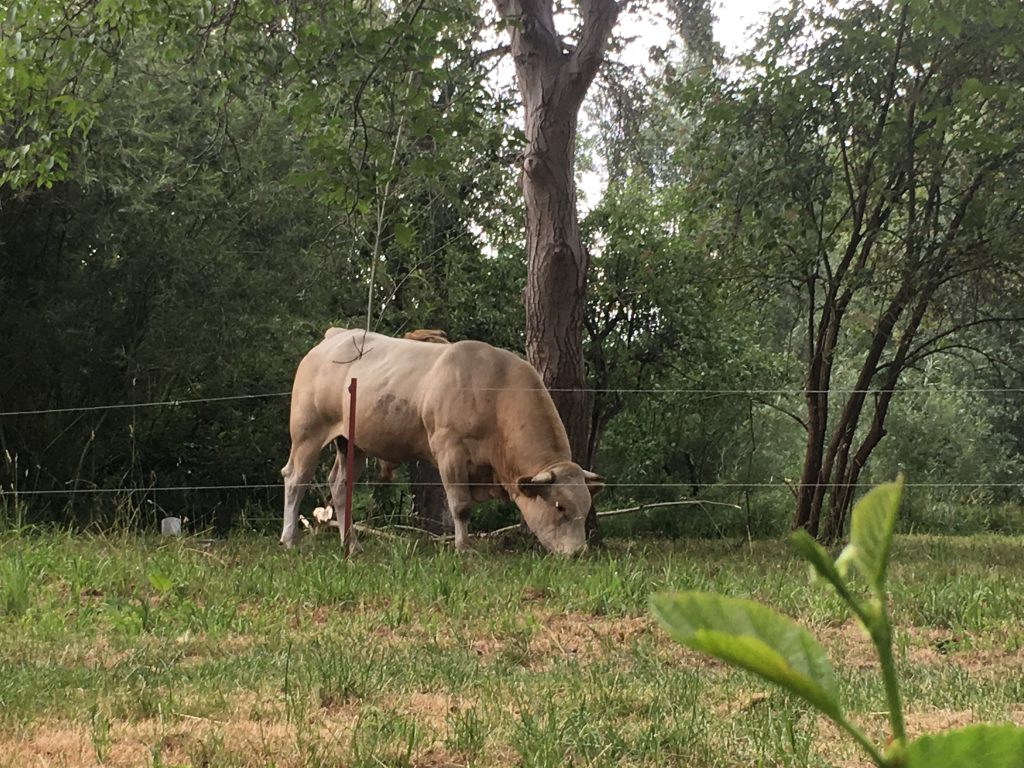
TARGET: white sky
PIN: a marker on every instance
(734, 19)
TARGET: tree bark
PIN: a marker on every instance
(553, 81)
(429, 503)
(841, 501)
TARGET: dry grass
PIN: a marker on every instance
(418, 659)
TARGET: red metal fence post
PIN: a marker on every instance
(350, 461)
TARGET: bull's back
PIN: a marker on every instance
(409, 391)
(389, 373)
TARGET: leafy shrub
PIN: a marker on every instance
(751, 636)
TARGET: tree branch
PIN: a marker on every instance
(784, 411)
(921, 351)
(598, 19)
(531, 28)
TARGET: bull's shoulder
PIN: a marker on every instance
(333, 331)
(500, 367)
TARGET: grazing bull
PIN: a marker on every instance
(481, 415)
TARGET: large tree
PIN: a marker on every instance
(871, 160)
(553, 77)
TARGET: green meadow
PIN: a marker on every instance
(143, 651)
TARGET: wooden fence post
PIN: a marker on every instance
(350, 461)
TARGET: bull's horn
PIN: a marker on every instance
(543, 478)
(594, 481)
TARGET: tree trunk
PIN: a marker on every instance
(816, 393)
(842, 499)
(552, 83)
(429, 503)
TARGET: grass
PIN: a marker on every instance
(136, 651)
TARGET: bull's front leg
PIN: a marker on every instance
(455, 478)
(460, 519)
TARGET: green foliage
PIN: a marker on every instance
(191, 193)
(999, 746)
(159, 582)
(748, 635)
(758, 639)
(859, 169)
(14, 586)
(661, 317)
(871, 534)
(230, 181)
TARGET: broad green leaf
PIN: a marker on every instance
(984, 745)
(749, 635)
(159, 582)
(874, 518)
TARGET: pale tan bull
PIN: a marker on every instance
(480, 414)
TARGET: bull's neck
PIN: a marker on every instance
(534, 439)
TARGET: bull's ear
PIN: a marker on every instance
(595, 482)
(534, 486)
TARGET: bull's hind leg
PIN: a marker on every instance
(297, 474)
(337, 482)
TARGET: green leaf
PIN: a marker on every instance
(874, 518)
(159, 582)
(991, 746)
(811, 551)
(748, 635)
(404, 234)
(971, 86)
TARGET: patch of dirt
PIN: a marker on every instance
(738, 705)
(849, 645)
(437, 757)
(575, 632)
(840, 751)
(543, 637)
(256, 731)
(532, 593)
(98, 654)
(431, 709)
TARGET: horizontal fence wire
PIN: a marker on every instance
(151, 404)
(170, 403)
(626, 391)
(275, 486)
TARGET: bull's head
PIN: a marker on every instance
(555, 504)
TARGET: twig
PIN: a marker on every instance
(370, 530)
(482, 534)
(412, 529)
(499, 532)
(682, 502)
(199, 717)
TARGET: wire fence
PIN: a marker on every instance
(398, 484)
(734, 486)
(793, 391)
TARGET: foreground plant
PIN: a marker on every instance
(748, 635)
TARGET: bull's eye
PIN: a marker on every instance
(559, 506)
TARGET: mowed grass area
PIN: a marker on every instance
(144, 651)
